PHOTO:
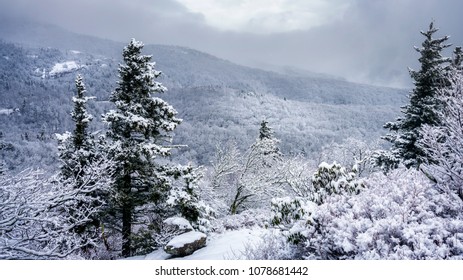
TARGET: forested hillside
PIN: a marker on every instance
(161, 151)
(218, 100)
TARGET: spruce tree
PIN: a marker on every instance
(457, 58)
(140, 129)
(267, 144)
(80, 116)
(424, 102)
(84, 168)
(265, 132)
(76, 150)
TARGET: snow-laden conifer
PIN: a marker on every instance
(77, 149)
(424, 102)
(84, 163)
(140, 128)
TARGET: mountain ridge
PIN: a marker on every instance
(219, 101)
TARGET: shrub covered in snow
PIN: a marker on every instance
(332, 179)
(39, 216)
(444, 143)
(184, 198)
(291, 215)
(399, 216)
(272, 246)
(246, 219)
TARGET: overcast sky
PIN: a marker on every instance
(369, 41)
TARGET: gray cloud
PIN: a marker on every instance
(371, 42)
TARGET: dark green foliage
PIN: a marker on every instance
(265, 132)
(77, 150)
(139, 128)
(331, 179)
(84, 165)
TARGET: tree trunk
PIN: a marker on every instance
(126, 230)
(127, 211)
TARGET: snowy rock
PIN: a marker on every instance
(177, 224)
(185, 244)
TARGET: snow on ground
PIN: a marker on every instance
(179, 222)
(64, 67)
(219, 246)
(8, 111)
(228, 245)
(75, 52)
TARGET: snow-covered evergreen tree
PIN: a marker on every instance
(424, 102)
(267, 145)
(444, 144)
(83, 159)
(140, 129)
(76, 150)
(457, 59)
(265, 132)
(184, 198)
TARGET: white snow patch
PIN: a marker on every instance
(64, 67)
(6, 57)
(180, 222)
(157, 255)
(227, 245)
(41, 72)
(8, 111)
(75, 52)
(63, 137)
(222, 246)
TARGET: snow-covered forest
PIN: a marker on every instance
(99, 162)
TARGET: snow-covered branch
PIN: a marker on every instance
(39, 216)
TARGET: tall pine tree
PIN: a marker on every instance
(140, 129)
(424, 102)
(76, 149)
(84, 170)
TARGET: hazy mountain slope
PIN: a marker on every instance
(218, 100)
(41, 35)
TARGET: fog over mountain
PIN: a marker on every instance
(290, 129)
(219, 101)
(362, 40)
